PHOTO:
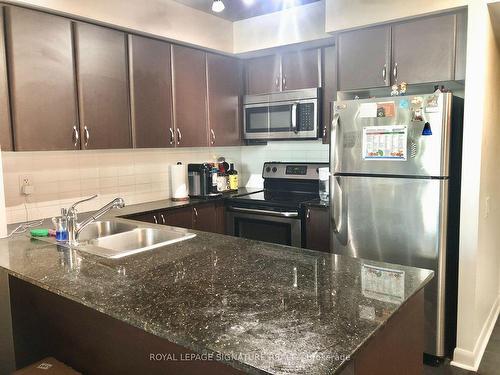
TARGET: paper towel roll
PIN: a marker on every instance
(178, 182)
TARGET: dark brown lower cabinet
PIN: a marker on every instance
(206, 217)
(318, 228)
(180, 217)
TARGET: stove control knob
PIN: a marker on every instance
(268, 169)
(275, 169)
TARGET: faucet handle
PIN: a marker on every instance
(73, 206)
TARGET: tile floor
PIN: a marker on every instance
(490, 364)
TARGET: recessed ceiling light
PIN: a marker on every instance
(248, 2)
(218, 6)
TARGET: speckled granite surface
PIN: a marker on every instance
(267, 308)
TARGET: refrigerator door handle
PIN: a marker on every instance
(333, 141)
(338, 206)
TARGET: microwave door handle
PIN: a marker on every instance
(294, 117)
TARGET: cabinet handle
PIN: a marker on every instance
(308, 214)
(284, 81)
(172, 136)
(155, 219)
(76, 137)
(213, 136)
(86, 137)
(195, 214)
(395, 71)
(179, 136)
(324, 132)
(277, 82)
(384, 73)
(163, 219)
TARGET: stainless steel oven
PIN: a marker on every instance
(284, 115)
(282, 227)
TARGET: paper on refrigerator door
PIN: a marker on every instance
(368, 110)
(389, 142)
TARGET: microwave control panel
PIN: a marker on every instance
(305, 114)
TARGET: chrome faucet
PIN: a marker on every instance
(74, 228)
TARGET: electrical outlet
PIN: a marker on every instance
(26, 184)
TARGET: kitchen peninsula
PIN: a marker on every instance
(213, 304)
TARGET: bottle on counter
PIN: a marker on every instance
(214, 180)
(233, 177)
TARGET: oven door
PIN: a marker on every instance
(282, 120)
(265, 225)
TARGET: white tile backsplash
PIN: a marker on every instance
(140, 175)
(253, 157)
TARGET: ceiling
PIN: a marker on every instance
(238, 9)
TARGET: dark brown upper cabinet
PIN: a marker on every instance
(364, 58)
(151, 92)
(263, 75)
(423, 50)
(102, 87)
(301, 69)
(190, 96)
(225, 84)
(42, 81)
(5, 123)
(289, 71)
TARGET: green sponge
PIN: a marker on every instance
(39, 232)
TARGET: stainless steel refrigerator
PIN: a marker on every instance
(395, 193)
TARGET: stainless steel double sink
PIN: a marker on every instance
(117, 239)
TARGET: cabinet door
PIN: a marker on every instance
(5, 124)
(42, 81)
(103, 87)
(151, 92)
(179, 217)
(190, 96)
(301, 69)
(318, 228)
(364, 58)
(220, 215)
(263, 75)
(424, 50)
(329, 73)
(204, 217)
(225, 83)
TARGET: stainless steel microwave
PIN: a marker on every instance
(284, 115)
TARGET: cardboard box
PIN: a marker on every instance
(47, 366)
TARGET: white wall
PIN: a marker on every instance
(348, 14)
(163, 18)
(293, 25)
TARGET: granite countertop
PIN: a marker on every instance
(266, 308)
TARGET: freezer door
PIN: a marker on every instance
(405, 135)
(396, 220)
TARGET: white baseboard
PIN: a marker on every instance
(470, 360)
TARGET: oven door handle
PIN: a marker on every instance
(264, 212)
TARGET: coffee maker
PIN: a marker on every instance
(200, 181)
